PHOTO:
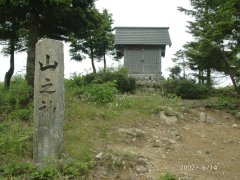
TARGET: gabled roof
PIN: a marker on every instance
(142, 36)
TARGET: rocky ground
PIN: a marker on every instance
(193, 143)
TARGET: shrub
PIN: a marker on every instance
(189, 90)
(120, 77)
(76, 80)
(125, 83)
(18, 96)
(185, 89)
(100, 93)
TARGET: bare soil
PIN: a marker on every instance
(188, 148)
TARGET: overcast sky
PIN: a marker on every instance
(149, 13)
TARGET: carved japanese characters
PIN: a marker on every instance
(48, 101)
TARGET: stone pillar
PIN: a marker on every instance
(48, 101)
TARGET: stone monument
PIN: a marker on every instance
(48, 101)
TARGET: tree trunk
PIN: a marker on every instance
(10, 72)
(33, 35)
(184, 68)
(92, 61)
(230, 73)
(209, 77)
(200, 77)
(104, 63)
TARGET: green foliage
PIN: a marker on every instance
(168, 176)
(215, 30)
(226, 98)
(96, 45)
(185, 89)
(15, 140)
(226, 103)
(46, 172)
(190, 90)
(100, 93)
(24, 114)
(74, 81)
(73, 169)
(68, 169)
(17, 101)
(175, 72)
(16, 168)
(119, 77)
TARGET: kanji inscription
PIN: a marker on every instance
(48, 101)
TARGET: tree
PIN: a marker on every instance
(175, 72)
(105, 38)
(11, 36)
(203, 56)
(55, 19)
(180, 59)
(97, 44)
(79, 47)
(216, 25)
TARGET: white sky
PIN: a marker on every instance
(149, 13)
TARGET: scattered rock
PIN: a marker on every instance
(141, 161)
(202, 117)
(132, 132)
(234, 126)
(227, 117)
(169, 111)
(187, 128)
(228, 141)
(141, 169)
(180, 116)
(200, 152)
(169, 120)
(210, 119)
(172, 141)
(156, 143)
(202, 136)
(99, 156)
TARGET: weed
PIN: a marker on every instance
(15, 140)
(167, 176)
(100, 93)
(16, 169)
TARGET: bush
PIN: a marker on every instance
(74, 81)
(185, 89)
(124, 84)
(18, 96)
(189, 90)
(100, 93)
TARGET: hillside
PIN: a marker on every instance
(140, 136)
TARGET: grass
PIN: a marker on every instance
(167, 176)
(88, 128)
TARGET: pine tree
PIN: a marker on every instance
(216, 28)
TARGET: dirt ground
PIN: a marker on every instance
(188, 148)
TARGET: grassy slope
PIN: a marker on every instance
(88, 126)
